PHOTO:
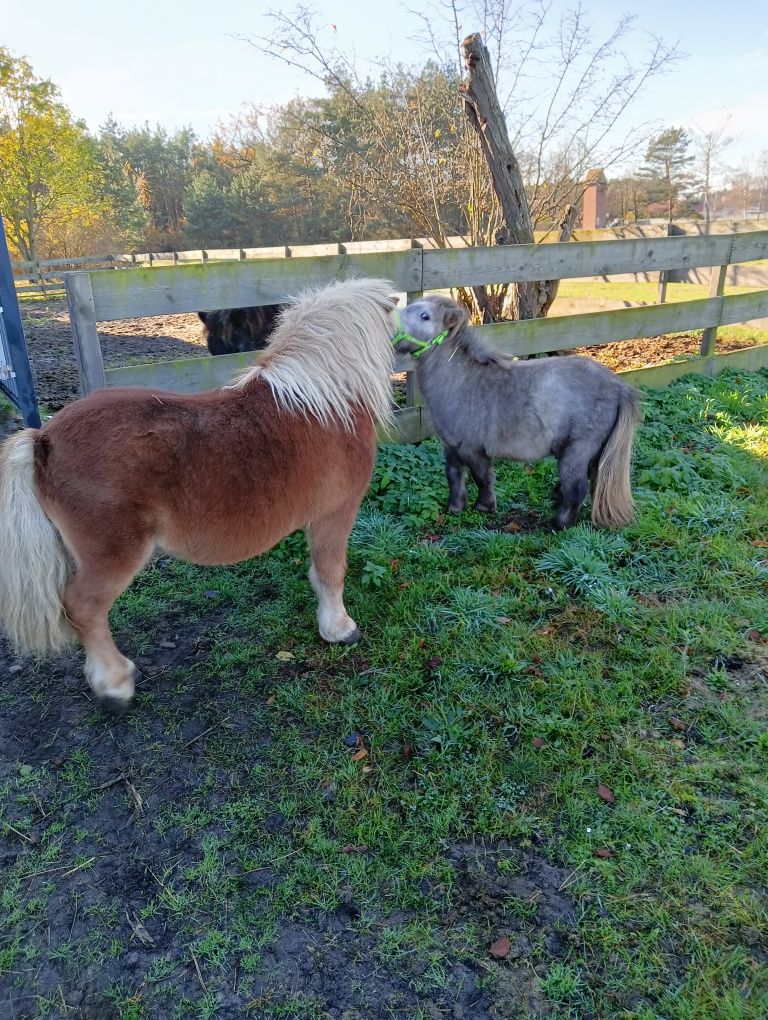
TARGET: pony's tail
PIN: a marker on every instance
(612, 502)
(34, 564)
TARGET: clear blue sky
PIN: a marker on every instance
(177, 62)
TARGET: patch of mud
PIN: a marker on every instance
(117, 857)
(624, 355)
(518, 521)
(131, 341)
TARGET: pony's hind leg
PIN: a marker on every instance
(327, 539)
(455, 472)
(573, 467)
(87, 600)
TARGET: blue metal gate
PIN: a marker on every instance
(15, 372)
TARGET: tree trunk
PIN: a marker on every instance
(481, 106)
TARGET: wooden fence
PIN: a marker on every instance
(47, 275)
(98, 297)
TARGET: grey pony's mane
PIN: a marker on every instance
(471, 343)
(330, 352)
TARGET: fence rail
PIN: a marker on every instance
(47, 274)
(96, 297)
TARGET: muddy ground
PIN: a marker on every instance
(125, 860)
(168, 337)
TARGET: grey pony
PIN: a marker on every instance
(487, 405)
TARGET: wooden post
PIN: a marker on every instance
(82, 315)
(412, 396)
(716, 289)
(662, 286)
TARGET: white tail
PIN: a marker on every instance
(612, 502)
(34, 565)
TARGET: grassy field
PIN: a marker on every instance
(626, 290)
(536, 788)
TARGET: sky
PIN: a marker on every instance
(180, 62)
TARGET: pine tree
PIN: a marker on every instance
(666, 168)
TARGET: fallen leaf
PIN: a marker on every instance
(434, 662)
(512, 526)
(604, 852)
(366, 769)
(167, 644)
(500, 948)
(271, 699)
(359, 755)
(755, 635)
(503, 619)
(677, 724)
(353, 740)
(354, 849)
(760, 543)
(605, 793)
(545, 630)
(408, 751)
(538, 742)
(394, 565)
(140, 931)
(678, 743)
(285, 656)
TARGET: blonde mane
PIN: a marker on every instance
(331, 351)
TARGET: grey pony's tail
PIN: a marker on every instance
(34, 564)
(612, 502)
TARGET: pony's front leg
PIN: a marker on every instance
(455, 472)
(327, 539)
(481, 468)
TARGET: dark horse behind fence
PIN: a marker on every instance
(236, 330)
(212, 478)
(485, 404)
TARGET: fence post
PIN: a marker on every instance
(25, 389)
(412, 396)
(82, 315)
(716, 288)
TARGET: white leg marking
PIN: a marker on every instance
(110, 674)
(332, 620)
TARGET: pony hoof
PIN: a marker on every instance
(456, 509)
(485, 508)
(353, 638)
(115, 706)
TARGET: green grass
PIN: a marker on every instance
(503, 675)
(626, 290)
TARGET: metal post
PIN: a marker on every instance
(24, 396)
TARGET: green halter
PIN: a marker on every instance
(424, 345)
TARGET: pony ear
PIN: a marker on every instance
(203, 316)
(456, 316)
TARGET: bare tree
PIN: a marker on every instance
(745, 188)
(709, 147)
(568, 120)
(404, 139)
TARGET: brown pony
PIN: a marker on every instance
(213, 478)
